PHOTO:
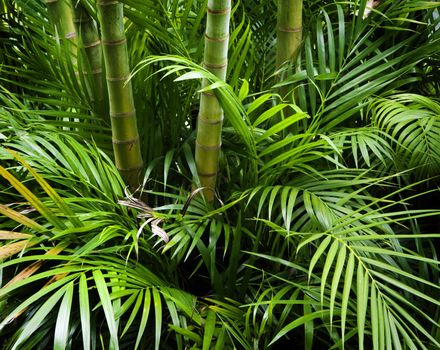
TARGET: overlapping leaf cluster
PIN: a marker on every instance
(324, 230)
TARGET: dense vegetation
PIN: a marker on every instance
(123, 224)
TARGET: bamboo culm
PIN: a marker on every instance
(210, 118)
(61, 15)
(289, 30)
(289, 36)
(93, 60)
(125, 136)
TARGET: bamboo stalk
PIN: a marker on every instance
(61, 15)
(125, 136)
(289, 30)
(93, 61)
(210, 118)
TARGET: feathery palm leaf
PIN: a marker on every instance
(413, 122)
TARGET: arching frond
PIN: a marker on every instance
(413, 122)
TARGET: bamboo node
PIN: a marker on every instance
(126, 142)
(214, 65)
(217, 39)
(123, 114)
(210, 121)
(96, 71)
(93, 72)
(130, 169)
(208, 93)
(123, 78)
(114, 42)
(209, 148)
(290, 30)
(207, 174)
(107, 3)
(92, 44)
(70, 35)
(220, 11)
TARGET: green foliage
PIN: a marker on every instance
(324, 228)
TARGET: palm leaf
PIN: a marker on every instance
(412, 122)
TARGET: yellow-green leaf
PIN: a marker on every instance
(20, 218)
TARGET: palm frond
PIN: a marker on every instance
(412, 121)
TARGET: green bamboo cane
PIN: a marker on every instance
(210, 118)
(61, 15)
(125, 136)
(91, 43)
(289, 33)
(289, 30)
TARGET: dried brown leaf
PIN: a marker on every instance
(13, 248)
(13, 235)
